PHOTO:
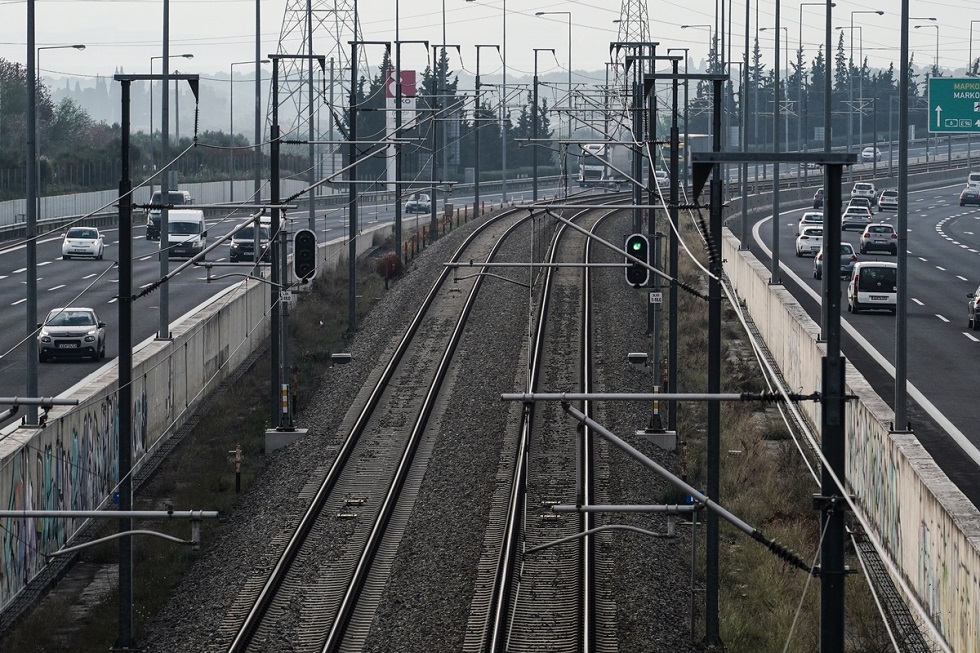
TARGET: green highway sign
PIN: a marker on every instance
(954, 105)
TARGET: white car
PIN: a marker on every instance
(810, 219)
(870, 154)
(865, 189)
(82, 241)
(888, 200)
(809, 241)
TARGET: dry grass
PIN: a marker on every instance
(766, 605)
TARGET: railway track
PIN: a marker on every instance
(543, 599)
(323, 588)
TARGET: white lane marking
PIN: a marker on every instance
(917, 301)
(20, 270)
(45, 263)
(961, 278)
(970, 336)
(942, 318)
(941, 269)
(56, 287)
(958, 436)
(88, 276)
(19, 301)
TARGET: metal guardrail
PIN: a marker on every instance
(210, 193)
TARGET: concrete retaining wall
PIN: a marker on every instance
(930, 530)
(72, 462)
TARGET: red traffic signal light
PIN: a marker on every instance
(637, 246)
(304, 255)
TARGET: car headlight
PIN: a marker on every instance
(234, 245)
(44, 336)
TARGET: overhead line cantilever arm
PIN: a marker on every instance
(778, 549)
(652, 269)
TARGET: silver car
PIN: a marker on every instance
(855, 216)
(888, 200)
(71, 333)
(418, 203)
(847, 260)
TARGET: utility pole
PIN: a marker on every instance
(477, 128)
(125, 640)
(535, 117)
(437, 143)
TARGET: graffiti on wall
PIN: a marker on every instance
(70, 468)
(940, 560)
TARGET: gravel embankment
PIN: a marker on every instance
(428, 595)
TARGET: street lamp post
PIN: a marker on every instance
(776, 108)
(152, 151)
(37, 136)
(712, 40)
(686, 133)
(231, 126)
(850, 85)
(969, 61)
(935, 73)
(31, 210)
(535, 117)
(568, 116)
(503, 108)
(477, 128)
(936, 64)
(970, 73)
(802, 142)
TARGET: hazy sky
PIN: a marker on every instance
(124, 34)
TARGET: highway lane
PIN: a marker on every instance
(85, 282)
(943, 250)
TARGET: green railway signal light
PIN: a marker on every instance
(637, 246)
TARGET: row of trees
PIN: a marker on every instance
(77, 153)
(856, 91)
(444, 131)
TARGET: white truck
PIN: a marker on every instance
(605, 165)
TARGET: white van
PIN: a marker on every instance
(177, 198)
(873, 286)
(973, 179)
(187, 233)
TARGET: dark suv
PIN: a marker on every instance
(243, 245)
(818, 199)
